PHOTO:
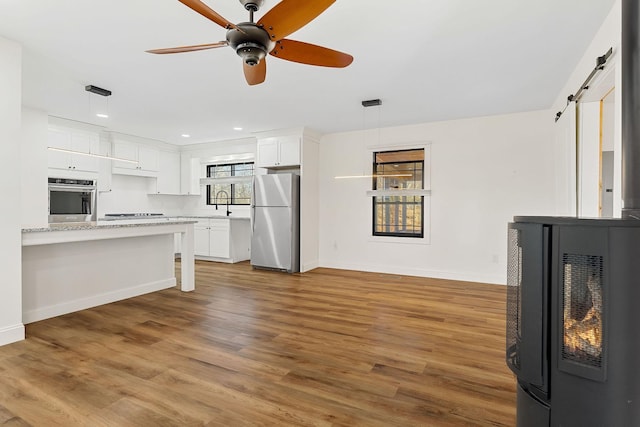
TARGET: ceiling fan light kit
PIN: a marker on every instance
(252, 41)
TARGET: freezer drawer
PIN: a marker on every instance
(272, 240)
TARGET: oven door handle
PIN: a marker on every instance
(83, 189)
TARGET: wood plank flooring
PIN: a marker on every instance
(260, 348)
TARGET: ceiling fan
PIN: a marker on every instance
(252, 41)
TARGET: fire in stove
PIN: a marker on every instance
(582, 309)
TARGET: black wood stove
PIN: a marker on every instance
(573, 321)
(573, 299)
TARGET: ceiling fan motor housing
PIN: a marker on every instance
(250, 42)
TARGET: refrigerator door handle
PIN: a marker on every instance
(251, 218)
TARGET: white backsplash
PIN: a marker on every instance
(130, 194)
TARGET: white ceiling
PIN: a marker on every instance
(428, 60)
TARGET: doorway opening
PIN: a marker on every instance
(606, 181)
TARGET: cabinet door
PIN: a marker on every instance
(189, 175)
(85, 143)
(125, 150)
(105, 176)
(289, 151)
(168, 173)
(59, 139)
(201, 239)
(148, 159)
(219, 238)
(268, 152)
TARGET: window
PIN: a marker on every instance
(238, 193)
(400, 215)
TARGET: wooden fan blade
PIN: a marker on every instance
(307, 53)
(255, 74)
(291, 15)
(181, 49)
(207, 12)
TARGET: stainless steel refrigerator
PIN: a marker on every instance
(275, 241)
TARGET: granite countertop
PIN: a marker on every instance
(212, 217)
(107, 224)
(116, 222)
(171, 218)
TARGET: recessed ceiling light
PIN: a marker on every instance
(186, 135)
(237, 128)
(102, 115)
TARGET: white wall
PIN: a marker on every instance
(484, 171)
(11, 327)
(309, 202)
(35, 209)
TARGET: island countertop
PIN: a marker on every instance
(104, 224)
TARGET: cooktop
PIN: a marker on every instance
(134, 215)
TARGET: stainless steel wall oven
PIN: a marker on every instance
(72, 200)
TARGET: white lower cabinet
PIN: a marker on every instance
(219, 233)
(222, 239)
(201, 238)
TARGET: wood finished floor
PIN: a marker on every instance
(258, 348)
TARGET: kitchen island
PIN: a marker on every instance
(67, 268)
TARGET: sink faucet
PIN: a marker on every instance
(215, 200)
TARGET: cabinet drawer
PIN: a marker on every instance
(202, 223)
(219, 223)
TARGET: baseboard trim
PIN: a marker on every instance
(418, 272)
(308, 266)
(11, 334)
(29, 316)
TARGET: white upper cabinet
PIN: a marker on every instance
(168, 181)
(289, 151)
(189, 175)
(268, 152)
(77, 141)
(125, 150)
(279, 152)
(147, 158)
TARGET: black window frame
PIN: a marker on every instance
(375, 202)
(232, 197)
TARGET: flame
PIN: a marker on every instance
(584, 335)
